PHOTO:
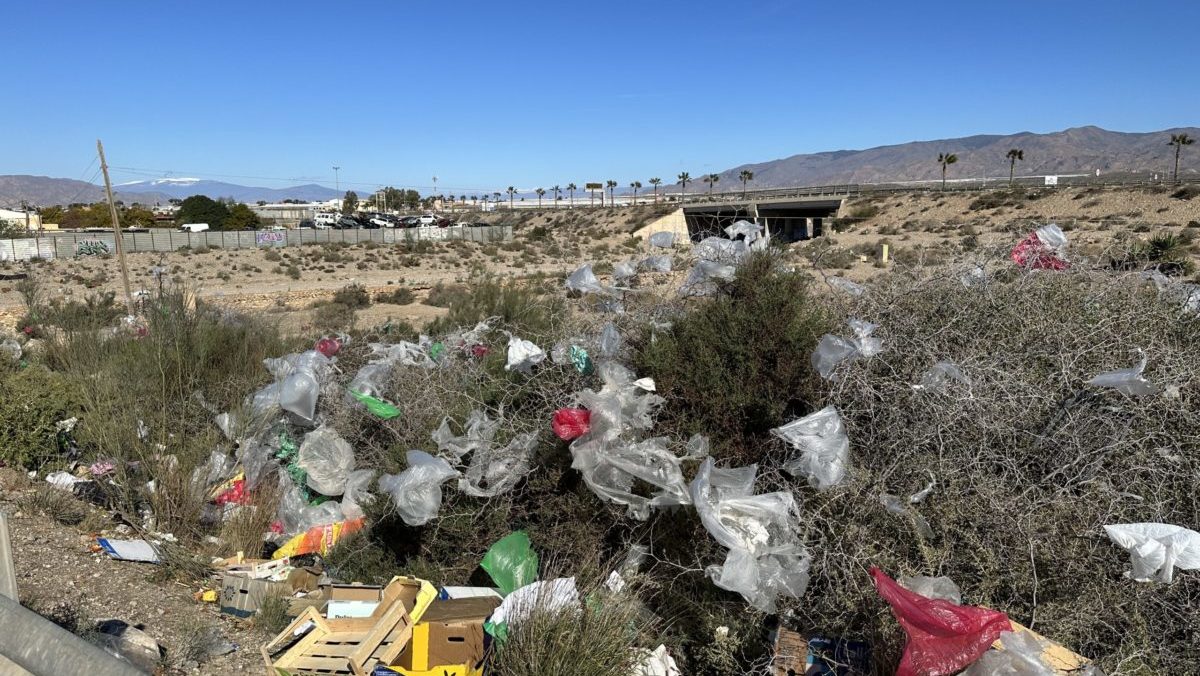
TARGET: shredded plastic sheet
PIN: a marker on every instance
(846, 286)
(749, 232)
(417, 491)
(657, 662)
(1187, 295)
(404, 353)
(610, 341)
(495, 470)
(702, 279)
(823, 445)
(370, 380)
(933, 587)
(624, 270)
(297, 516)
(357, 493)
(833, 350)
(765, 556)
(584, 281)
(522, 355)
(1044, 249)
(721, 250)
(1157, 549)
(655, 264)
(297, 385)
(478, 433)
(217, 468)
(974, 277)
(1022, 656)
(943, 637)
(939, 375)
(663, 240)
(327, 458)
(1127, 381)
(899, 507)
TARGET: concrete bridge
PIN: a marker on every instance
(791, 218)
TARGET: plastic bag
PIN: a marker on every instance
(974, 277)
(522, 355)
(933, 587)
(511, 562)
(703, 277)
(357, 493)
(11, 349)
(1021, 656)
(370, 380)
(327, 458)
(1157, 549)
(549, 596)
(1127, 381)
(657, 662)
(571, 423)
(939, 374)
(297, 516)
(765, 556)
(496, 470)
(479, 430)
(1043, 249)
(943, 637)
(328, 347)
(721, 250)
(611, 467)
(624, 270)
(584, 281)
(744, 229)
(378, 407)
(663, 240)
(655, 264)
(610, 341)
(417, 491)
(823, 445)
(833, 350)
(846, 286)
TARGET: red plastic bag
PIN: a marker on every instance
(236, 495)
(1031, 253)
(943, 637)
(571, 423)
(328, 347)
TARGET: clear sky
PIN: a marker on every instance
(489, 94)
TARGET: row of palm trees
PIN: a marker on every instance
(684, 178)
(1016, 154)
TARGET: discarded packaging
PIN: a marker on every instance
(511, 562)
(1127, 381)
(351, 600)
(318, 539)
(796, 654)
(522, 355)
(129, 550)
(833, 350)
(449, 639)
(242, 596)
(417, 491)
(1043, 249)
(932, 587)
(571, 423)
(1157, 549)
(378, 407)
(328, 460)
(823, 445)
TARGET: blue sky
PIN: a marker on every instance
(490, 94)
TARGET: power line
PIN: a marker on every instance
(166, 174)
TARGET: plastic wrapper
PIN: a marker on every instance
(404, 353)
(478, 433)
(1043, 249)
(328, 347)
(702, 279)
(357, 493)
(377, 407)
(584, 281)
(318, 539)
(900, 507)
(327, 458)
(933, 587)
(522, 355)
(494, 470)
(511, 562)
(417, 491)
(765, 558)
(624, 270)
(1022, 656)
(256, 460)
(833, 350)
(745, 229)
(663, 240)
(823, 445)
(943, 637)
(547, 596)
(846, 286)
(610, 341)
(571, 423)
(1128, 381)
(939, 375)
(1157, 549)
(655, 264)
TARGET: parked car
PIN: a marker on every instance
(307, 223)
(347, 223)
(410, 221)
(194, 227)
(427, 219)
(381, 221)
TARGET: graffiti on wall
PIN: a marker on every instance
(91, 247)
(269, 238)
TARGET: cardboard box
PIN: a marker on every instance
(795, 653)
(241, 596)
(351, 600)
(449, 637)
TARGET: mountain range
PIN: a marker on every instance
(1079, 150)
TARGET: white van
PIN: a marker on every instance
(194, 227)
(325, 219)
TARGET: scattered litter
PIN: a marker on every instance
(824, 448)
(919, 496)
(511, 562)
(522, 355)
(585, 281)
(833, 350)
(765, 556)
(571, 423)
(357, 493)
(377, 407)
(11, 349)
(318, 539)
(655, 264)
(933, 587)
(975, 276)
(899, 507)
(745, 229)
(939, 374)
(1044, 249)
(943, 637)
(494, 470)
(657, 662)
(1022, 655)
(703, 277)
(547, 596)
(1157, 549)
(624, 270)
(327, 458)
(64, 481)
(610, 341)
(417, 491)
(663, 240)
(129, 550)
(846, 286)
(131, 644)
(1127, 381)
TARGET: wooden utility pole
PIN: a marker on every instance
(112, 207)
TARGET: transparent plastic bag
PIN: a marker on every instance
(765, 558)
(611, 467)
(703, 277)
(327, 458)
(721, 250)
(833, 350)
(584, 281)
(1127, 381)
(1021, 656)
(745, 229)
(933, 587)
(610, 341)
(1157, 549)
(522, 355)
(370, 380)
(655, 264)
(662, 240)
(478, 433)
(846, 286)
(493, 470)
(256, 460)
(938, 375)
(11, 349)
(357, 493)
(624, 270)
(297, 516)
(823, 445)
(1044, 249)
(417, 491)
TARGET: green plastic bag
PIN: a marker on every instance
(511, 562)
(581, 360)
(436, 350)
(377, 407)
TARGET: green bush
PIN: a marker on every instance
(353, 296)
(524, 309)
(738, 365)
(333, 316)
(396, 297)
(32, 401)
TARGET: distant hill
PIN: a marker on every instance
(1080, 150)
(45, 191)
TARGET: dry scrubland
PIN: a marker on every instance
(1029, 462)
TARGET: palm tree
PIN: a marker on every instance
(743, 176)
(684, 177)
(656, 182)
(610, 184)
(946, 159)
(557, 192)
(511, 191)
(485, 201)
(635, 185)
(710, 179)
(571, 187)
(495, 197)
(1014, 155)
(540, 192)
(1179, 141)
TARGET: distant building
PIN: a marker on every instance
(18, 217)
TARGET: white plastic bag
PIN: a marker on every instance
(744, 229)
(609, 468)
(417, 491)
(657, 662)
(663, 240)
(1157, 549)
(545, 596)
(765, 556)
(1127, 381)
(833, 350)
(655, 264)
(522, 355)
(1021, 656)
(11, 349)
(624, 270)
(1053, 237)
(823, 445)
(328, 460)
(357, 493)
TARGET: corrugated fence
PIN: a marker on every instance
(73, 244)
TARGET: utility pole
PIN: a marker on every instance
(112, 207)
(25, 208)
(337, 184)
